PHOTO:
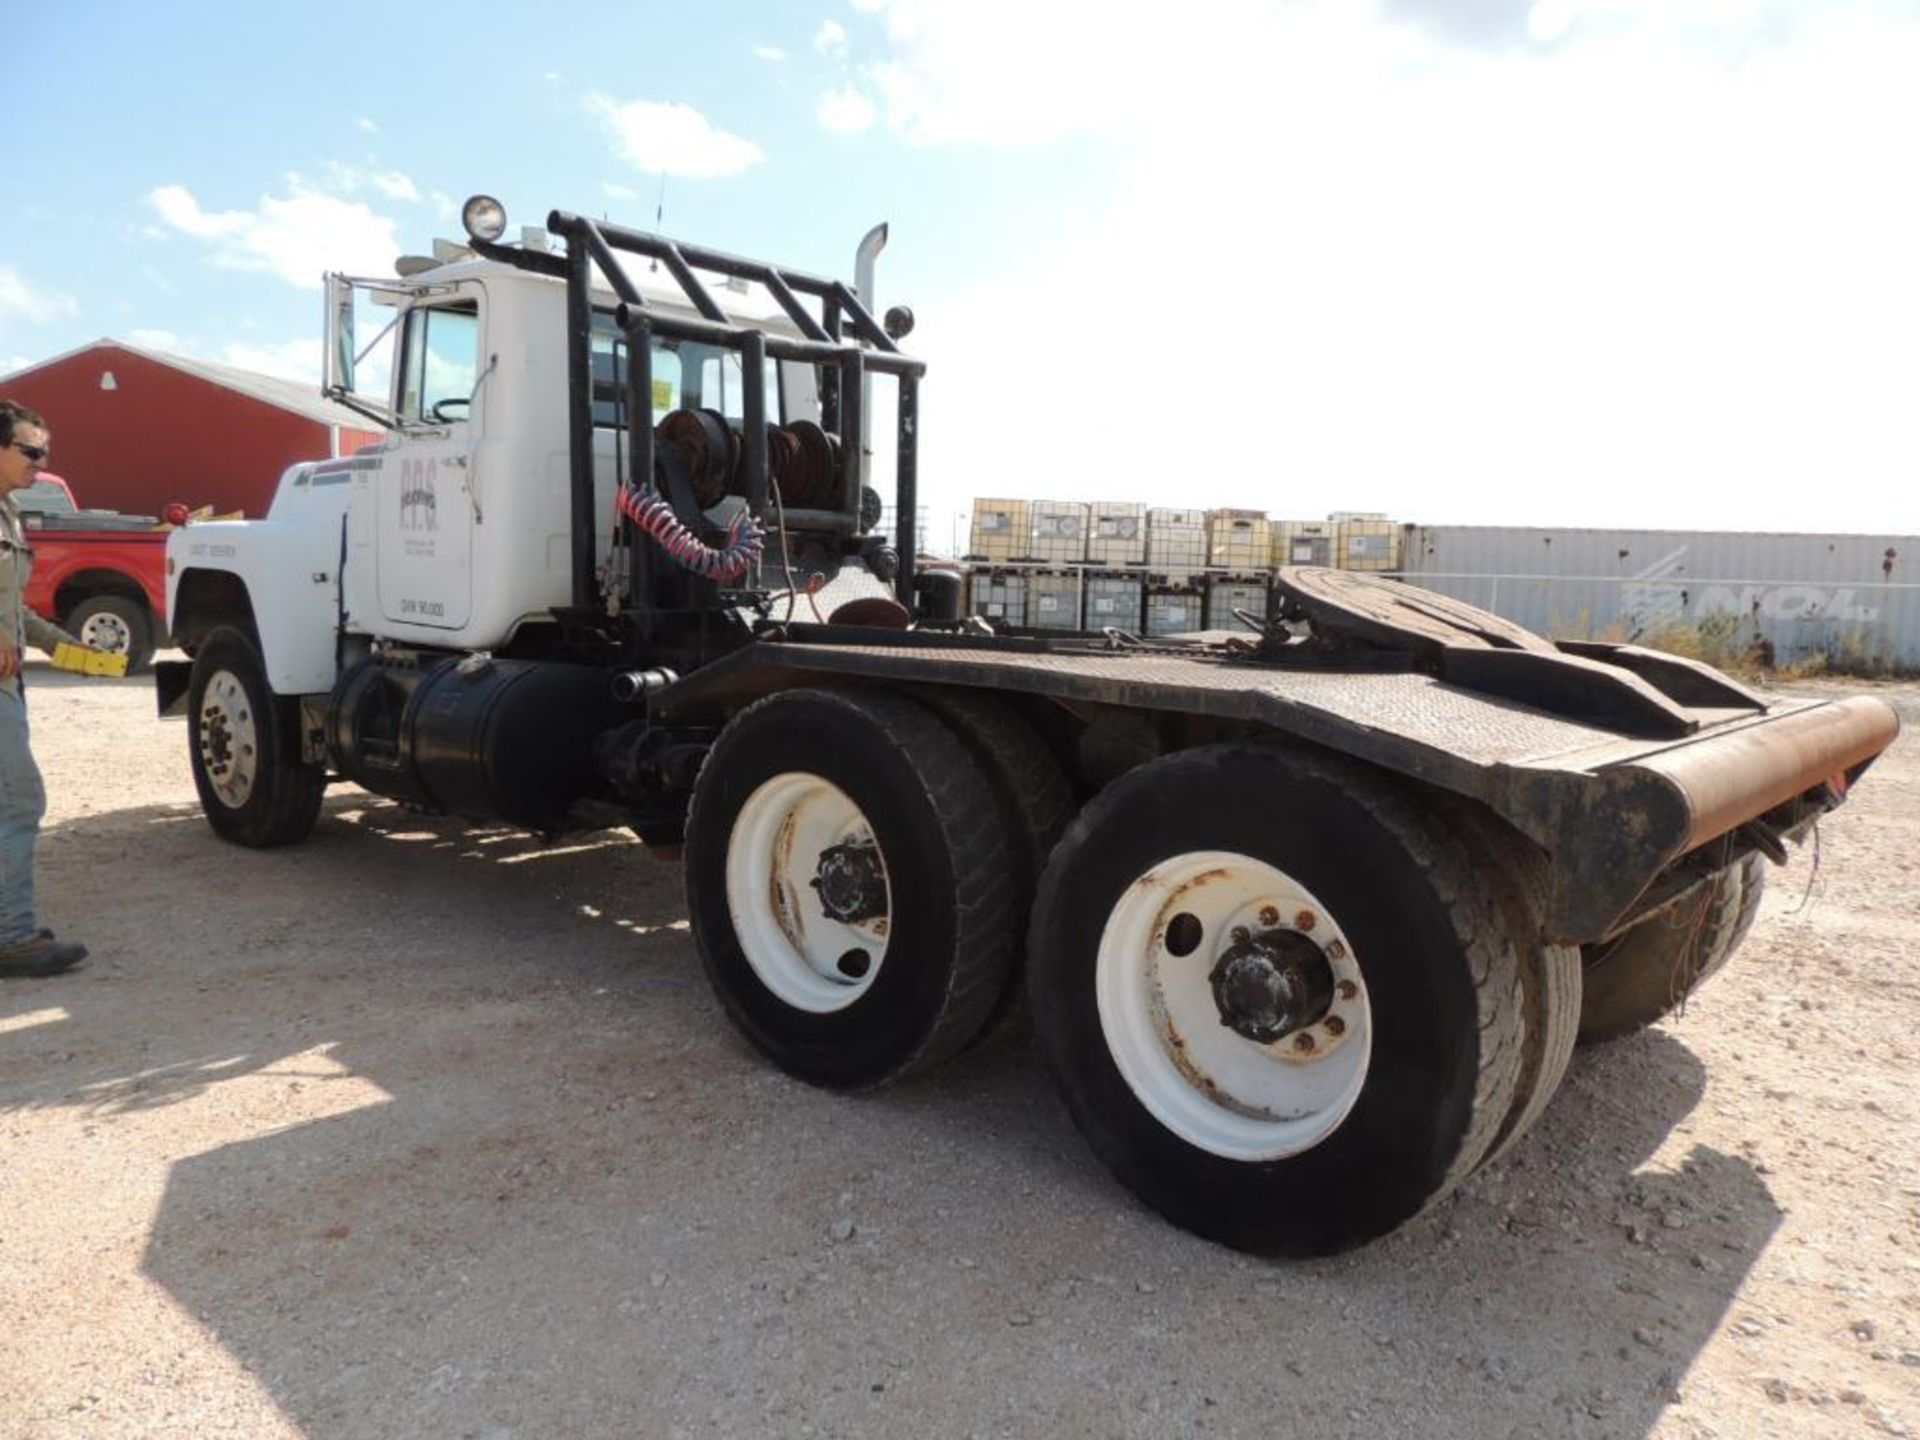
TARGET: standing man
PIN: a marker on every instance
(25, 949)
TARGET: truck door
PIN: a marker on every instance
(424, 510)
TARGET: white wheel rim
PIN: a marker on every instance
(800, 952)
(228, 738)
(1210, 1085)
(106, 631)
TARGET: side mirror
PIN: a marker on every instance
(898, 323)
(340, 351)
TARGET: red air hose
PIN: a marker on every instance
(651, 513)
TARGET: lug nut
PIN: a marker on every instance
(1335, 1025)
(1303, 1042)
(1336, 951)
(1347, 989)
(1304, 920)
(1240, 935)
(1269, 916)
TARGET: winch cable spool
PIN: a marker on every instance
(813, 474)
(660, 520)
(706, 448)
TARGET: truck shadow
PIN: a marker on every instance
(487, 1160)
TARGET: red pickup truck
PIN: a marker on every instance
(98, 574)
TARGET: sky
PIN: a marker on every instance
(1563, 262)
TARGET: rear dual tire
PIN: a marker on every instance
(1652, 969)
(852, 884)
(1275, 1147)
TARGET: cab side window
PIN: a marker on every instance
(440, 363)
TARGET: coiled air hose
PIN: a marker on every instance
(650, 512)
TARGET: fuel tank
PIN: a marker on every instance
(470, 735)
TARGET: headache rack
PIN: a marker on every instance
(844, 342)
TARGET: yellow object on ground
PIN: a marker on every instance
(82, 661)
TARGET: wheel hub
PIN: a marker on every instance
(852, 883)
(228, 740)
(106, 632)
(1269, 985)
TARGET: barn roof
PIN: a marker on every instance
(297, 396)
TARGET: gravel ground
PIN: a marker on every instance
(423, 1129)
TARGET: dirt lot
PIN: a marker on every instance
(422, 1129)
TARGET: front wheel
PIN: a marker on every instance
(1275, 998)
(116, 624)
(254, 789)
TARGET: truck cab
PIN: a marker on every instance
(456, 532)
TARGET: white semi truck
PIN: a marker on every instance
(1310, 916)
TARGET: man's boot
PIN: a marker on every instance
(40, 955)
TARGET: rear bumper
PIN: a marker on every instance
(1731, 778)
(1614, 831)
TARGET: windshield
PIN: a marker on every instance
(442, 361)
(47, 497)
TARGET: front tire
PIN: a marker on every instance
(254, 789)
(851, 884)
(115, 624)
(1340, 1129)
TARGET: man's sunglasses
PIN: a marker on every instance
(35, 453)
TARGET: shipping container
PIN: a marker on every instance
(1302, 542)
(1053, 599)
(1238, 540)
(1113, 600)
(1366, 543)
(1059, 533)
(1116, 533)
(1177, 540)
(1228, 593)
(1000, 531)
(999, 595)
(1174, 610)
(1852, 599)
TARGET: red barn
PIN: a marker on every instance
(135, 429)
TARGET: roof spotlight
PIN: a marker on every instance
(484, 217)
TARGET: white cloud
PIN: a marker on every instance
(348, 180)
(769, 52)
(1550, 20)
(394, 185)
(618, 192)
(830, 40)
(157, 340)
(667, 139)
(445, 207)
(846, 111)
(20, 300)
(11, 363)
(367, 126)
(1464, 286)
(296, 236)
(957, 75)
(288, 359)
